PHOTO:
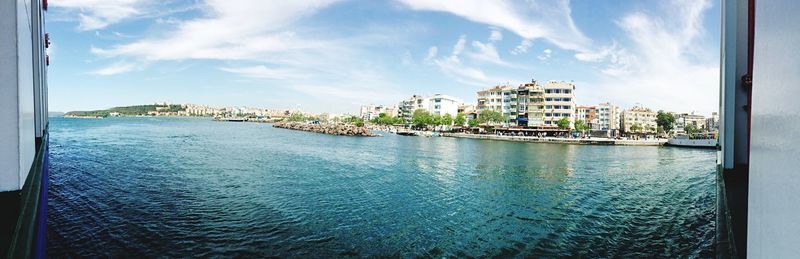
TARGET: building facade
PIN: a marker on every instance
(638, 120)
(608, 119)
(500, 98)
(530, 105)
(437, 104)
(559, 99)
(684, 119)
(371, 111)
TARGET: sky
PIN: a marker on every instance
(336, 55)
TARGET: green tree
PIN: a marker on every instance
(563, 123)
(665, 120)
(436, 120)
(473, 123)
(489, 116)
(460, 119)
(690, 129)
(636, 127)
(421, 118)
(581, 125)
(447, 119)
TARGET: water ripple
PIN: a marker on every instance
(153, 187)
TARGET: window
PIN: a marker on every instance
(565, 115)
(566, 91)
(566, 99)
(548, 114)
(556, 106)
(566, 107)
(548, 107)
(548, 99)
(548, 91)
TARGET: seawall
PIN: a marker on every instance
(554, 140)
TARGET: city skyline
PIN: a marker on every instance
(662, 54)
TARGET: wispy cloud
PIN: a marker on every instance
(453, 67)
(661, 66)
(546, 54)
(522, 47)
(551, 20)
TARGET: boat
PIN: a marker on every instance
(698, 140)
(407, 133)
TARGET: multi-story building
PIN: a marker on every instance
(559, 99)
(530, 104)
(500, 98)
(643, 119)
(608, 119)
(437, 104)
(589, 115)
(684, 119)
(371, 111)
(712, 123)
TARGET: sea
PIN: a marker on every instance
(193, 187)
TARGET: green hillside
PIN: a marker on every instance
(128, 110)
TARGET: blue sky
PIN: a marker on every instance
(335, 55)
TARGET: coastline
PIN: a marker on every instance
(554, 140)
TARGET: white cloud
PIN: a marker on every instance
(546, 54)
(118, 68)
(550, 20)
(432, 51)
(522, 47)
(459, 47)
(495, 35)
(97, 14)
(661, 67)
(453, 67)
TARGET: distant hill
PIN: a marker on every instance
(135, 110)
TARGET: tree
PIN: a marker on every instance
(489, 116)
(447, 119)
(636, 127)
(563, 123)
(665, 120)
(473, 123)
(690, 129)
(581, 125)
(460, 119)
(421, 118)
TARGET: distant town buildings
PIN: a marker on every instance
(539, 107)
(638, 120)
(437, 104)
(684, 119)
(371, 111)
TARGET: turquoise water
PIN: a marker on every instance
(176, 187)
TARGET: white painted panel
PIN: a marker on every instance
(9, 124)
(27, 107)
(774, 199)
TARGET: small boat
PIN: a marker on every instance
(698, 140)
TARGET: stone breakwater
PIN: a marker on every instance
(332, 129)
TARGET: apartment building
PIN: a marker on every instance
(500, 98)
(608, 119)
(642, 120)
(530, 104)
(371, 111)
(684, 119)
(437, 104)
(559, 99)
(589, 115)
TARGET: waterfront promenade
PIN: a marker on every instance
(557, 140)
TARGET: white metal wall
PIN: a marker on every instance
(22, 92)
(774, 200)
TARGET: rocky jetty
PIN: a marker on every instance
(332, 129)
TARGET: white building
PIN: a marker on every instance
(608, 119)
(559, 102)
(437, 104)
